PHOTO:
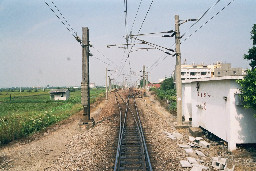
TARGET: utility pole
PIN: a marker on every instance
(178, 72)
(110, 85)
(85, 89)
(143, 77)
(106, 84)
(147, 81)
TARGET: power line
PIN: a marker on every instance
(103, 55)
(125, 5)
(136, 15)
(163, 32)
(207, 21)
(128, 55)
(64, 21)
(201, 16)
(156, 63)
(101, 60)
(156, 46)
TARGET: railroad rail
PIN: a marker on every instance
(132, 152)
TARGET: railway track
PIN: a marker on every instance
(132, 152)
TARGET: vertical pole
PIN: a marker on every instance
(178, 72)
(85, 89)
(147, 81)
(110, 85)
(106, 84)
(143, 77)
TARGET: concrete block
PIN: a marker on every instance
(199, 153)
(194, 144)
(192, 160)
(189, 151)
(198, 167)
(171, 136)
(204, 144)
(198, 139)
(219, 163)
(192, 139)
(178, 135)
(184, 146)
(185, 163)
(196, 131)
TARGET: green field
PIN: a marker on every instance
(23, 113)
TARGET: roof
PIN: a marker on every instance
(58, 91)
(214, 79)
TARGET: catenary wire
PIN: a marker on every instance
(128, 55)
(64, 21)
(201, 17)
(208, 21)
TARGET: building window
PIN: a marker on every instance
(182, 73)
(192, 73)
(62, 94)
(203, 73)
(234, 72)
(219, 73)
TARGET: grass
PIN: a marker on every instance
(29, 112)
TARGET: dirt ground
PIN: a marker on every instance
(166, 153)
(68, 146)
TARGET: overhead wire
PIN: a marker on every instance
(208, 21)
(156, 63)
(163, 32)
(128, 55)
(156, 46)
(103, 55)
(136, 15)
(201, 17)
(64, 21)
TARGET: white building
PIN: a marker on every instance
(92, 85)
(195, 73)
(214, 104)
(59, 94)
(190, 72)
(198, 71)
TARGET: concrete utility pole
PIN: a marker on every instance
(143, 84)
(178, 72)
(85, 89)
(147, 81)
(110, 85)
(106, 84)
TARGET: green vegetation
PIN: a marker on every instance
(167, 92)
(23, 113)
(248, 84)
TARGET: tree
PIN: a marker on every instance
(248, 89)
(167, 84)
(248, 84)
(252, 51)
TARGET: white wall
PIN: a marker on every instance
(65, 96)
(186, 101)
(221, 117)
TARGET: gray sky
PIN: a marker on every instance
(37, 50)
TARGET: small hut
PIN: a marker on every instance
(59, 94)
